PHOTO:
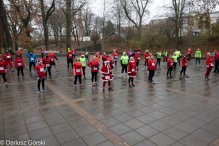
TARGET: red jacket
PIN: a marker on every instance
(170, 62)
(52, 56)
(209, 62)
(216, 57)
(132, 69)
(69, 56)
(7, 57)
(137, 58)
(2, 66)
(189, 52)
(145, 56)
(42, 51)
(40, 70)
(77, 68)
(73, 52)
(115, 56)
(104, 58)
(47, 61)
(19, 62)
(116, 50)
(184, 61)
(18, 52)
(94, 65)
(111, 61)
(151, 64)
(106, 71)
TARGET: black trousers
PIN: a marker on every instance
(151, 75)
(39, 82)
(77, 77)
(146, 63)
(178, 59)
(115, 63)
(73, 56)
(131, 79)
(70, 61)
(4, 76)
(169, 71)
(83, 68)
(164, 60)
(189, 57)
(48, 70)
(158, 61)
(94, 76)
(174, 65)
(124, 67)
(18, 71)
(183, 70)
(216, 66)
(42, 55)
(30, 65)
(137, 63)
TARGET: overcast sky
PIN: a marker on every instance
(97, 8)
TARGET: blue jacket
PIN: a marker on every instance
(32, 58)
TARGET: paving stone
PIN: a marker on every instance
(146, 143)
(60, 128)
(160, 126)
(191, 140)
(77, 142)
(147, 131)
(110, 122)
(66, 136)
(85, 130)
(120, 129)
(94, 139)
(175, 133)
(161, 139)
(132, 137)
(205, 136)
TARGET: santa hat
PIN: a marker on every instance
(215, 51)
(165, 50)
(158, 49)
(39, 60)
(82, 54)
(198, 49)
(138, 52)
(106, 61)
(97, 52)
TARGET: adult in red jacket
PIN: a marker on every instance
(8, 60)
(77, 70)
(94, 69)
(146, 54)
(169, 67)
(189, 51)
(184, 66)
(106, 71)
(19, 65)
(111, 62)
(104, 57)
(210, 65)
(19, 53)
(137, 59)
(70, 59)
(42, 52)
(3, 71)
(73, 53)
(48, 63)
(151, 66)
(216, 60)
(53, 57)
(115, 57)
(132, 70)
(40, 70)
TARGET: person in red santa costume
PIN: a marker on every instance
(115, 57)
(8, 60)
(19, 52)
(94, 69)
(3, 70)
(137, 59)
(106, 71)
(77, 70)
(104, 57)
(73, 53)
(40, 70)
(210, 65)
(184, 66)
(152, 67)
(132, 70)
(19, 65)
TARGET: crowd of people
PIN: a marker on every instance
(129, 64)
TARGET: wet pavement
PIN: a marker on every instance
(172, 112)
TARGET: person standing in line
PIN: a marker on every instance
(174, 61)
(158, 58)
(3, 71)
(32, 60)
(40, 70)
(19, 52)
(73, 53)
(132, 70)
(184, 66)
(189, 51)
(216, 60)
(8, 60)
(165, 54)
(210, 65)
(77, 70)
(48, 63)
(169, 67)
(197, 57)
(83, 62)
(106, 71)
(104, 57)
(137, 59)
(19, 66)
(53, 57)
(94, 69)
(178, 55)
(69, 59)
(115, 57)
(146, 55)
(42, 52)
(124, 63)
(152, 67)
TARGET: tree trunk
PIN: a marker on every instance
(68, 25)
(60, 37)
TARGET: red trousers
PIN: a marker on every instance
(208, 72)
(8, 62)
(104, 82)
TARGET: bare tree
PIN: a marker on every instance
(88, 17)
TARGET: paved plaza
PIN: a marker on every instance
(170, 113)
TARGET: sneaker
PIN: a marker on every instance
(214, 71)
(23, 77)
(39, 92)
(186, 76)
(85, 78)
(57, 72)
(133, 85)
(50, 77)
(75, 87)
(103, 90)
(93, 84)
(110, 89)
(167, 77)
(81, 87)
(171, 77)
(130, 86)
(6, 86)
(96, 84)
(12, 70)
(44, 90)
(206, 79)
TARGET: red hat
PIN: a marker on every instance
(39, 60)
(165, 50)
(138, 52)
(106, 61)
(215, 51)
(158, 49)
(197, 48)
(82, 54)
(173, 53)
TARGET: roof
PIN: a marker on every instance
(214, 12)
